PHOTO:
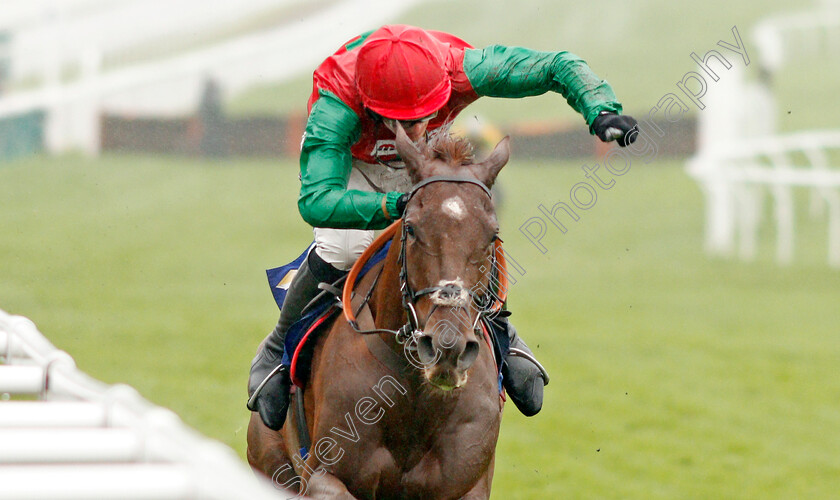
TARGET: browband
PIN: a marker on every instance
(446, 178)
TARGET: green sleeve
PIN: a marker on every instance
(325, 163)
(499, 71)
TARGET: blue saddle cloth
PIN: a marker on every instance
(279, 279)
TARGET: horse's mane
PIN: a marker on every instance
(454, 150)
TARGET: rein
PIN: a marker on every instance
(353, 275)
(409, 297)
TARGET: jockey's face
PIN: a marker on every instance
(413, 128)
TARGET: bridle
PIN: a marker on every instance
(409, 296)
(488, 305)
(412, 329)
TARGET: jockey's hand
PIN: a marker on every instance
(402, 201)
(610, 126)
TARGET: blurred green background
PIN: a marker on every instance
(674, 375)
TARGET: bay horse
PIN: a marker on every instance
(381, 424)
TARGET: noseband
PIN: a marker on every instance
(412, 328)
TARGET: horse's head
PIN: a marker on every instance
(449, 232)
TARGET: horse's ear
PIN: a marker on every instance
(413, 157)
(487, 170)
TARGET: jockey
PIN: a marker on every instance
(352, 182)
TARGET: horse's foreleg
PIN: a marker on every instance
(481, 490)
(323, 485)
(327, 486)
(267, 454)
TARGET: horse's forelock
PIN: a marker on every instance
(449, 148)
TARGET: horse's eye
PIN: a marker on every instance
(409, 230)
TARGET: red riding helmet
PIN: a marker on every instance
(400, 73)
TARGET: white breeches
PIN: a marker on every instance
(341, 247)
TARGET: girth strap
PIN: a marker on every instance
(304, 441)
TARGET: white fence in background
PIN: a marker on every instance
(173, 86)
(82, 439)
(58, 32)
(736, 180)
(19, 14)
(796, 36)
(741, 159)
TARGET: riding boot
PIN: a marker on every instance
(523, 378)
(269, 381)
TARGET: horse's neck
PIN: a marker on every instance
(386, 302)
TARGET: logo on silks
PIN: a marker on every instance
(280, 278)
(384, 148)
(286, 280)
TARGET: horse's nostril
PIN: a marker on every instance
(426, 350)
(467, 358)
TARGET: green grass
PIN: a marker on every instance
(680, 376)
(151, 271)
(674, 375)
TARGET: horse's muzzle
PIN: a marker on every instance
(447, 354)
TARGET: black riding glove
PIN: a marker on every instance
(610, 126)
(402, 201)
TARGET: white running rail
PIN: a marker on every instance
(73, 437)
